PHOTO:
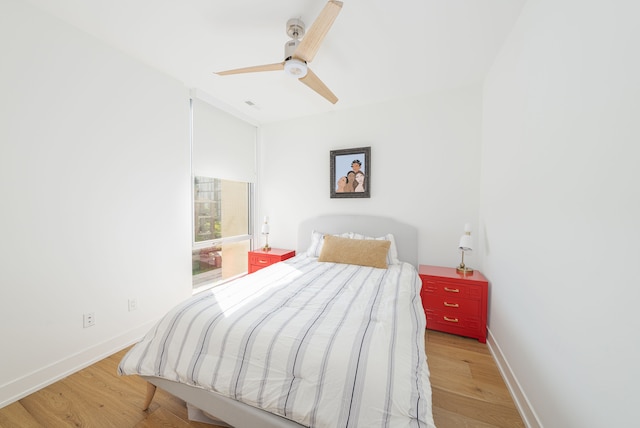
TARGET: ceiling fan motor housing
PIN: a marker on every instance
(294, 67)
(295, 30)
(290, 48)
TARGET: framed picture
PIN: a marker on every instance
(350, 173)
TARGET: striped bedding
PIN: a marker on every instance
(322, 344)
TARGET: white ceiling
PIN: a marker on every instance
(376, 50)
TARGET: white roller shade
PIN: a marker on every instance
(223, 145)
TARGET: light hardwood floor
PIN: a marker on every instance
(467, 388)
(467, 392)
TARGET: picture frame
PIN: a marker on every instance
(350, 173)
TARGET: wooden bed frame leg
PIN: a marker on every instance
(151, 390)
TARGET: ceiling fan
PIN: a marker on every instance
(297, 54)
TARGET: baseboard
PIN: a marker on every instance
(527, 413)
(38, 379)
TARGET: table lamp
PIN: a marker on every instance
(465, 245)
(265, 232)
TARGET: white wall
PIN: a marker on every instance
(560, 209)
(94, 184)
(424, 165)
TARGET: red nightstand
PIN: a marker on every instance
(259, 259)
(454, 302)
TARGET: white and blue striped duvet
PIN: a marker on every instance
(323, 344)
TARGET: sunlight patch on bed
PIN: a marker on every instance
(236, 294)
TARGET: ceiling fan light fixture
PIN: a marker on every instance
(296, 68)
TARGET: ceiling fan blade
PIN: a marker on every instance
(311, 41)
(314, 82)
(267, 67)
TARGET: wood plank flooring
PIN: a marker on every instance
(467, 388)
(467, 392)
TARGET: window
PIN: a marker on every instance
(221, 229)
(223, 164)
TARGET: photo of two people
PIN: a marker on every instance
(354, 180)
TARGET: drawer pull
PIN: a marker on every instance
(263, 261)
(451, 319)
(451, 305)
(451, 290)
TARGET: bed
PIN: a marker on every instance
(311, 341)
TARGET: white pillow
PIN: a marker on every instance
(317, 239)
(392, 255)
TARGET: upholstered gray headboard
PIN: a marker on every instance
(406, 236)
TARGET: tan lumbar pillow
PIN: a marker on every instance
(362, 252)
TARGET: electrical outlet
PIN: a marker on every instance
(89, 319)
(133, 304)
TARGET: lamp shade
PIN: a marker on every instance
(265, 228)
(465, 243)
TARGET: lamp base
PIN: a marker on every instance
(463, 269)
(266, 248)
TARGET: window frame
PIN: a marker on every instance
(251, 205)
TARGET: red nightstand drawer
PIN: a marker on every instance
(453, 305)
(452, 288)
(460, 324)
(262, 259)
